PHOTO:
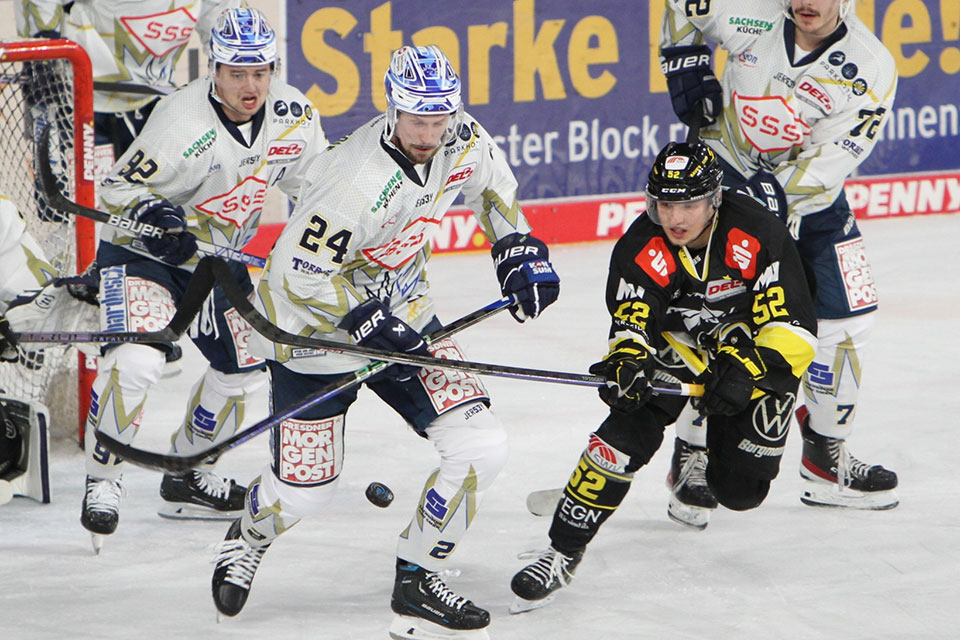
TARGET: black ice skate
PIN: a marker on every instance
(691, 499)
(201, 495)
(237, 564)
(535, 584)
(427, 608)
(837, 479)
(101, 509)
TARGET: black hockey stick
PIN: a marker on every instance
(57, 200)
(176, 463)
(198, 289)
(126, 87)
(693, 134)
(314, 346)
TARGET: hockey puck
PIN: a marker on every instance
(379, 494)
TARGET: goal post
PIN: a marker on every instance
(47, 85)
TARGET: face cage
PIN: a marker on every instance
(715, 197)
(456, 119)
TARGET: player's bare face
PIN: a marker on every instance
(686, 224)
(242, 90)
(419, 137)
(815, 20)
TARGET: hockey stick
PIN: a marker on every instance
(314, 346)
(198, 289)
(58, 201)
(175, 463)
(693, 134)
(125, 87)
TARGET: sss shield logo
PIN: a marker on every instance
(239, 204)
(161, 33)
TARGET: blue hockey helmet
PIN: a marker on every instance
(243, 38)
(421, 81)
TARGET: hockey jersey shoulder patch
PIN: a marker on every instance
(741, 252)
(656, 261)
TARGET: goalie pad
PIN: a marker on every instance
(65, 304)
(24, 450)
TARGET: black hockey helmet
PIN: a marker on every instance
(683, 172)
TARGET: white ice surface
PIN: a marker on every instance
(781, 571)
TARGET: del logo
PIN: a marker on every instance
(811, 91)
(241, 202)
(741, 252)
(770, 123)
(721, 289)
(161, 33)
(459, 176)
(656, 261)
(284, 150)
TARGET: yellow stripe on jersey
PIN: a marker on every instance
(797, 346)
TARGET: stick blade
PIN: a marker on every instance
(148, 459)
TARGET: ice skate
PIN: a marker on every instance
(535, 585)
(201, 495)
(101, 509)
(237, 564)
(427, 609)
(835, 478)
(691, 499)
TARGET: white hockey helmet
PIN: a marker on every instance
(243, 38)
(845, 6)
(421, 81)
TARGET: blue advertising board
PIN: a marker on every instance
(572, 90)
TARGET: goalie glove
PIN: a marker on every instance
(524, 271)
(690, 79)
(371, 324)
(735, 367)
(628, 369)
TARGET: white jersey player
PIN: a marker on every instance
(200, 169)
(805, 89)
(350, 266)
(135, 42)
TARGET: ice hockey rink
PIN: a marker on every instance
(783, 570)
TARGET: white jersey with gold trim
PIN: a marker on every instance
(362, 230)
(808, 118)
(190, 154)
(135, 41)
(23, 266)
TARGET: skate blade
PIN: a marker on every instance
(96, 539)
(188, 511)
(820, 494)
(543, 503)
(411, 628)
(522, 605)
(696, 518)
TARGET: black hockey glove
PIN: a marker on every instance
(628, 369)
(734, 369)
(177, 245)
(765, 188)
(372, 325)
(524, 270)
(8, 343)
(690, 79)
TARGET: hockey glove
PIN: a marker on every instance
(8, 343)
(177, 245)
(628, 369)
(690, 79)
(372, 325)
(734, 369)
(524, 270)
(765, 188)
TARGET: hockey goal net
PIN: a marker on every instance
(48, 83)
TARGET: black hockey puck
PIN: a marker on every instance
(379, 494)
